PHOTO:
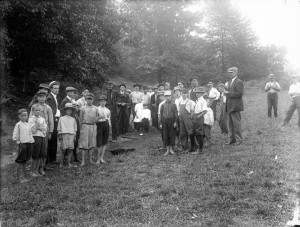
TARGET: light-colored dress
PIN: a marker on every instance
(88, 131)
(67, 127)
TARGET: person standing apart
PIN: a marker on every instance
(272, 87)
(169, 115)
(294, 92)
(213, 95)
(234, 105)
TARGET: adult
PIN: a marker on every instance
(111, 105)
(234, 105)
(294, 92)
(150, 90)
(123, 109)
(213, 95)
(167, 86)
(154, 106)
(70, 91)
(145, 96)
(223, 119)
(161, 87)
(53, 101)
(134, 95)
(272, 87)
(180, 84)
(42, 87)
(81, 102)
(194, 85)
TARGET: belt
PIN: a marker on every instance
(88, 123)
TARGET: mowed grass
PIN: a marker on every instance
(245, 185)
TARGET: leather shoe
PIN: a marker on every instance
(230, 142)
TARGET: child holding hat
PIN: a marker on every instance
(66, 130)
(103, 126)
(22, 134)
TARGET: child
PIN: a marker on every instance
(208, 122)
(146, 118)
(168, 115)
(198, 118)
(39, 147)
(66, 130)
(103, 126)
(23, 136)
(47, 114)
(88, 118)
(138, 109)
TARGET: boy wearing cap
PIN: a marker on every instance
(68, 99)
(213, 95)
(272, 87)
(198, 118)
(22, 135)
(40, 129)
(168, 119)
(186, 110)
(42, 87)
(66, 130)
(103, 126)
(89, 115)
(47, 114)
(208, 123)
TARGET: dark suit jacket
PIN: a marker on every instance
(51, 102)
(234, 100)
(120, 98)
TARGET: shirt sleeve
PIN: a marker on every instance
(217, 94)
(59, 126)
(51, 121)
(16, 134)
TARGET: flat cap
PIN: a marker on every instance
(68, 105)
(167, 93)
(137, 85)
(154, 87)
(103, 97)
(210, 83)
(22, 111)
(176, 88)
(233, 69)
(122, 85)
(90, 96)
(53, 83)
(70, 89)
(43, 85)
(184, 90)
(199, 90)
(41, 93)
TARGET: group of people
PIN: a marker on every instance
(53, 130)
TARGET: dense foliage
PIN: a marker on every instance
(87, 42)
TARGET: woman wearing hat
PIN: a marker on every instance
(272, 87)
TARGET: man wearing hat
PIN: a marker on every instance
(70, 99)
(134, 95)
(167, 86)
(192, 94)
(272, 87)
(180, 84)
(234, 105)
(53, 101)
(154, 106)
(112, 106)
(42, 87)
(213, 95)
(123, 109)
(81, 102)
(161, 87)
(294, 92)
(145, 96)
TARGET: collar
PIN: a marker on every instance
(69, 98)
(233, 79)
(54, 95)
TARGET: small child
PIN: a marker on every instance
(39, 147)
(66, 130)
(22, 134)
(146, 118)
(208, 123)
(88, 117)
(138, 109)
(168, 118)
(103, 126)
(198, 118)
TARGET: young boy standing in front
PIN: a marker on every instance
(22, 134)
(66, 130)
(87, 120)
(198, 118)
(39, 147)
(168, 115)
(208, 123)
(103, 126)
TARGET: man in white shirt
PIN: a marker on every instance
(272, 87)
(213, 95)
(134, 95)
(82, 102)
(294, 92)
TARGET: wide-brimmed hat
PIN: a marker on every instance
(199, 90)
(70, 89)
(69, 106)
(103, 97)
(43, 85)
(22, 111)
(41, 93)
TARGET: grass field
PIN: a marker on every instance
(251, 185)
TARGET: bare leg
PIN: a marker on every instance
(41, 167)
(102, 154)
(91, 155)
(83, 157)
(19, 172)
(99, 150)
(69, 156)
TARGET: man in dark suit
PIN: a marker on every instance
(154, 107)
(123, 109)
(234, 105)
(112, 106)
(194, 84)
(70, 99)
(53, 101)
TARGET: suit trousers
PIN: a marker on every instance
(52, 147)
(235, 126)
(123, 121)
(272, 103)
(214, 108)
(223, 121)
(169, 132)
